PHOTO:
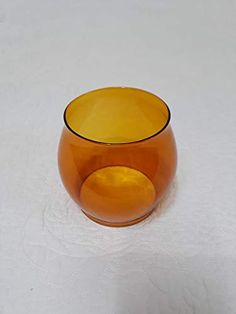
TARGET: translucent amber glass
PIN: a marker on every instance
(117, 154)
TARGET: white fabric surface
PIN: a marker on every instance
(53, 260)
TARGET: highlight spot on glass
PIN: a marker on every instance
(117, 192)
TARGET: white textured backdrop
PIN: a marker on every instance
(182, 259)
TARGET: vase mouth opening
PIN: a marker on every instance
(117, 116)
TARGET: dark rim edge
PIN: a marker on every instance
(107, 143)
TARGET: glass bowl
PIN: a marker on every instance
(117, 154)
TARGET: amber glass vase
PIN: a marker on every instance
(117, 154)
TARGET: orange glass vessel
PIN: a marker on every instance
(117, 154)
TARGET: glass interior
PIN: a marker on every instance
(117, 115)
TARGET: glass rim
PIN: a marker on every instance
(116, 144)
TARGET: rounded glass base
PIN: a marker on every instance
(119, 224)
